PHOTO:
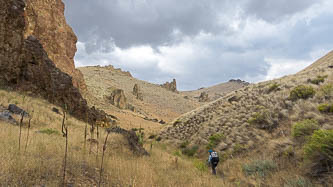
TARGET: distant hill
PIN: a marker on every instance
(217, 91)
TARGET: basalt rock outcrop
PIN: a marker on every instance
(203, 97)
(26, 66)
(45, 20)
(137, 92)
(118, 99)
(172, 86)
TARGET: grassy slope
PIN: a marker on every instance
(157, 102)
(241, 138)
(41, 163)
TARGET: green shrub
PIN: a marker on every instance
(238, 148)
(302, 92)
(49, 131)
(298, 182)
(325, 108)
(214, 140)
(177, 153)
(327, 90)
(319, 151)
(184, 144)
(273, 87)
(304, 128)
(318, 80)
(263, 120)
(190, 151)
(259, 167)
(200, 165)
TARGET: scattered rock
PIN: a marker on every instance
(55, 110)
(331, 66)
(203, 97)
(172, 86)
(7, 117)
(17, 110)
(137, 92)
(118, 99)
(162, 122)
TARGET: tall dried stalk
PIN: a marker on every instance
(85, 133)
(64, 131)
(29, 125)
(97, 144)
(21, 122)
(92, 129)
(104, 148)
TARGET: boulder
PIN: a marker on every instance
(7, 117)
(17, 110)
(118, 99)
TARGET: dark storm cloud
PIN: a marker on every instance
(139, 22)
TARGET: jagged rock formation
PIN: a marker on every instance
(26, 66)
(203, 97)
(137, 92)
(45, 20)
(239, 81)
(118, 99)
(172, 86)
(118, 70)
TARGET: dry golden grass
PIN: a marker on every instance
(42, 162)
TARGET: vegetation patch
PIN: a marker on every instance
(273, 87)
(190, 151)
(302, 92)
(184, 144)
(49, 131)
(298, 182)
(304, 128)
(325, 108)
(214, 140)
(319, 151)
(318, 80)
(200, 165)
(263, 120)
(259, 167)
(327, 91)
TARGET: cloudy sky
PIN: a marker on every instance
(202, 42)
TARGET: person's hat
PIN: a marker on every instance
(210, 151)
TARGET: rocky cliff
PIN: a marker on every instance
(25, 65)
(45, 20)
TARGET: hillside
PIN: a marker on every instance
(217, 91)
(38, 159)
(259, 117)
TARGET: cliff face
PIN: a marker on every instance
(45, 20)
(25, 65)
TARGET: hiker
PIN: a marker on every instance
(213, 160)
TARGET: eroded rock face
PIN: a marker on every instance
(45, 20)
(203, 97)
(25, 65)
(118, 99)
(137, 92)
(172, 86)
